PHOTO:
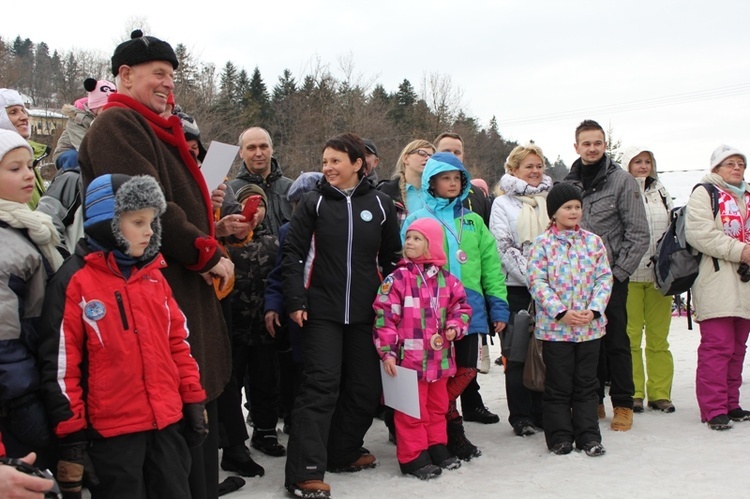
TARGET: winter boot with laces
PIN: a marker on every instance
(622, 420)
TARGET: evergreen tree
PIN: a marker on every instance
(286, 87)
(186, 74)
(259, 95)
(228, 94)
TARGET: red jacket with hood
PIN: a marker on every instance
(120, 363)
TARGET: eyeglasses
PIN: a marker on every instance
(734, 164)
(422, 153)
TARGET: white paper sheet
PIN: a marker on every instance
(400, 391)
(218, 161)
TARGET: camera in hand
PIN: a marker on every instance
(744, 272)
(30, 469)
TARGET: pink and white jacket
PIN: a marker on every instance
(414, 303)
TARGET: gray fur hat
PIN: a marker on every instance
(111, 195)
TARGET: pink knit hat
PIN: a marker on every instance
(433, 232)
(98, 92)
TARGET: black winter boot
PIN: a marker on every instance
(458, 444)
(441, 456)
(237, 458)
(267, 442)
(421, 467)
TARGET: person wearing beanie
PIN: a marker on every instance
(255, 361)
(192, 136)
(519, 215)
(15, 117)
(718, 226)
(116, 365)
(65, 155)
(570, 281)
(612, 209)
(412, 334)
(471, 257)
(372, 161)
(62, 199)
(28, 259)
(130, 137)
(649, 312)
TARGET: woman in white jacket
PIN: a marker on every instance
(649, 312)
(519, 214)
(722, 293)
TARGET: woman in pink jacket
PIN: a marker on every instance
(420, 309)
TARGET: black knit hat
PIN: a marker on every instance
(560, 194)
(140, 49)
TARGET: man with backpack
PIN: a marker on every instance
(613, 210)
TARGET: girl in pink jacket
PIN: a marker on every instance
(420, 309)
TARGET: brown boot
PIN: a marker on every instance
(311, 489)
(623, 419)
(363, 462)
(662, 405)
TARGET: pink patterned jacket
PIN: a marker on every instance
(412, 305)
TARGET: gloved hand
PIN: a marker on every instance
(195, 424)
(72, 451)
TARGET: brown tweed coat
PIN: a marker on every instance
(131, 139)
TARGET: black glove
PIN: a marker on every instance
(195, 424)
(72, 451)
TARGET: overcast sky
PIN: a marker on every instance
(670, 75)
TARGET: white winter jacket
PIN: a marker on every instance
(504, 226)
(658, 204)
(716, 293)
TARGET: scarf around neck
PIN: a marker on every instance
(38, 225)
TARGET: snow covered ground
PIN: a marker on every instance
(664, 455)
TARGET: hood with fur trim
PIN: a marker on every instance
(111, 195)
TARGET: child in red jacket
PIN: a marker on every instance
(117, 370)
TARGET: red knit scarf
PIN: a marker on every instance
(170, 132)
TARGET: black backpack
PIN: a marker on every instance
(675, 261)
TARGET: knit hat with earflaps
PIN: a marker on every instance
(111, 195)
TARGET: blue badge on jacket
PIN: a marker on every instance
(95, 310)
(366, 215)
(386, 286)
